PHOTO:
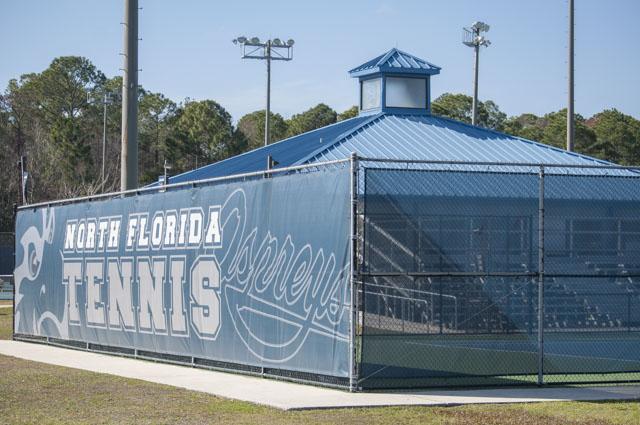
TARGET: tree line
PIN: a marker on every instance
(55, 119)
(609, 135)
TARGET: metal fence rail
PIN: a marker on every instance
(6, 287)
(497, 274)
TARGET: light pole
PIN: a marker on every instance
(107, 99)
(274, 49)
(129, 143)
(570, 113)
(166, 167)
(472, 37)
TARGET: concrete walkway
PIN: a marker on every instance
(289, 396)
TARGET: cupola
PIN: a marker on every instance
(395, 82)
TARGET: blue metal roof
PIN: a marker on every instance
(286, 152)
(397, 62)
(394, 136)
(427, 137)
(400, 134)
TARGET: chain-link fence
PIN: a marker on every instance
(459, 264)
(6, 287)
(7, 247)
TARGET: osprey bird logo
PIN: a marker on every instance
(31, 251)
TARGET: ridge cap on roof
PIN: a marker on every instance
(402, 52)
(387, 55)
(339, 138)
(270, 146)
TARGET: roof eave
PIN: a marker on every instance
(378, 70)
(415, 71)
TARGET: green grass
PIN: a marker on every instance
(33, 393)
(39, 393)
(6, 327)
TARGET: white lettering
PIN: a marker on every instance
(178, 313)
(95, 306)
(121, 313)
(90, 242)
(156, 230)
(71, 278)
(114, 233)
(102, 233)
(131, 231)
(81, 236)
(143, 236)
(213, 237)
(170, 230)
(195, 227)
(151, 278)
(205, 301)
(69, 236)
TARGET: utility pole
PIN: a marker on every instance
(104, 139)
(474, 106)
(253, 48)
(570, 111)
(472, 37)
(24, 177)
(267, 130)
(107, 99)
(129, 150)
(165, 177)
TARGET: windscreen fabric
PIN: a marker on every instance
(253, 272)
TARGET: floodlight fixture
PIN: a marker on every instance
(482, 41)
(480, 26)
(472, 37)
(272, 49)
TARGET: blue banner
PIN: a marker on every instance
(253, 272)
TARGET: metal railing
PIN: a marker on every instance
(191, 183)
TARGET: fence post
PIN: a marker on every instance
(628, 311)
(353, 241)
(13, 295)
(440, 308)
(541, 276)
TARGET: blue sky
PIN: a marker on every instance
(186, 49)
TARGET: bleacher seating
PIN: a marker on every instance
(607, 300)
